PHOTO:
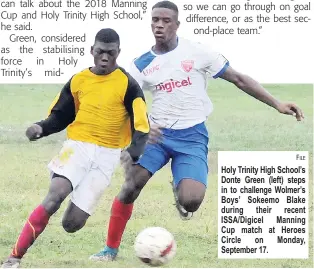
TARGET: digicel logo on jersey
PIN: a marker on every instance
(171, 85)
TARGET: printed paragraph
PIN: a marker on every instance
(250, 17)
(45, 37)
(263, 205)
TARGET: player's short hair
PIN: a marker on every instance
(107, 35)
(167, 4)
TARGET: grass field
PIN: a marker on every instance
(237, 123)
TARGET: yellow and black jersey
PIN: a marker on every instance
(107, 110)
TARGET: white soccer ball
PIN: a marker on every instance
(155, 246)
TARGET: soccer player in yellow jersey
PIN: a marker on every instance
(104, 111)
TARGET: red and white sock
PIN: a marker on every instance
(33, 227)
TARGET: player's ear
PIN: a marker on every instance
(178, 24)
(91, 50)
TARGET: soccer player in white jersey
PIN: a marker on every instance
(176, 71)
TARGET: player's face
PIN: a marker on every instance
(105, 56)
(164, 24)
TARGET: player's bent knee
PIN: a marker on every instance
(60, 188)
(191, 194)
(74, 218)
(190, 204)
(71, 226)
(53, 202)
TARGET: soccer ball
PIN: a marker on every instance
(155, 246)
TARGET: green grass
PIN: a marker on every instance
(238, 123)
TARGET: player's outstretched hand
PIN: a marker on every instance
(34, 132)
(126, 160)
(155, 134)
(291, 109)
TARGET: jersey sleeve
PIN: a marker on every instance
(211, 61)
(61, 112)
(135, 105)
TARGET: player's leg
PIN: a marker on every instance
(121, 211)
(74, 218)
(154, 158)
(60, 188)
(189, 167)
(67, 170)
(189, 187)
(86, 196)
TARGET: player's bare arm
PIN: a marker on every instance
(61, 115)
(255, 89)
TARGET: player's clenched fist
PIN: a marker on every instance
(34, 132)
(155, 134)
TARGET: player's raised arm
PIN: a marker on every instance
(62, 113)
(217, 66)
(135, 104)
(255, 89)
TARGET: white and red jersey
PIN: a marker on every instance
(178, 81)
